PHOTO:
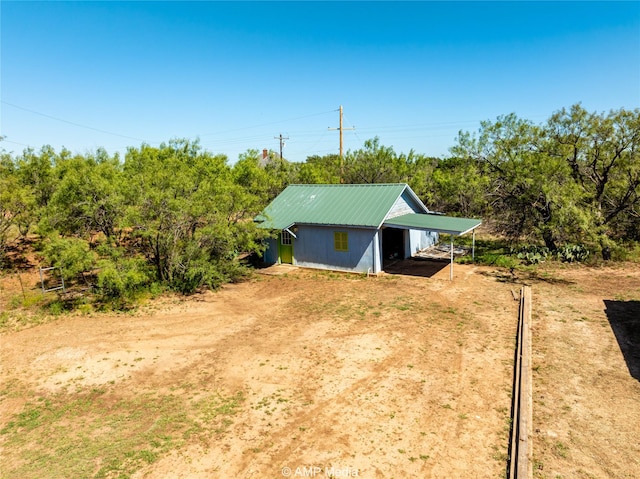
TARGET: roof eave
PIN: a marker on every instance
(418, 200)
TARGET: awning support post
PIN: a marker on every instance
(451, 266)
(473, 247)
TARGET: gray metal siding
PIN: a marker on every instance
(420, 240)
(314, 249)
(404, 205)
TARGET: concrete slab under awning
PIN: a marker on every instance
(440, 223)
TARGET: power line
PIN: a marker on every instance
(70, 122)
(266, 124)
(16, 143)
(354, 132)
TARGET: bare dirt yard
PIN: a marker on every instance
(316, 374)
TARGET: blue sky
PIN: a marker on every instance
(114, 74)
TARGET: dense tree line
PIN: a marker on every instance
(171, 216)
(575, 178)
(177, 216)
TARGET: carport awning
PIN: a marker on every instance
(439, 223)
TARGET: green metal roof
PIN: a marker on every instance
(344, 205)
(430, 222)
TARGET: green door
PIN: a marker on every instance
(285, 247)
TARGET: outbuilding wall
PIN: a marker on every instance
(418, 240)
(314, 248)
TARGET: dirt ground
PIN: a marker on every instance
(347, 376)
(586, 373)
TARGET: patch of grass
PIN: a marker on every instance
(72, 435)
(404, 303)
(499, 455)
(269, 404)
(346, 308)
(19, 320)
(538, 467)
(56, 308)
(31, 299)
(561, 450)
(15, 302)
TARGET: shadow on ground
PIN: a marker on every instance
(13, 258)
(425, 268)
(624, 317)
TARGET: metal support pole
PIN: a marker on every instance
(473, 247)
(451, 266)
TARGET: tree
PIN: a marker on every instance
(603, 153)
(88, 197)
(374, 163)
(265, 178)
(187, 215)
(37, 172)
(72, 255)
(418, 172)
(17, 202)
(461, 186)
(320, 170)
(531, 191)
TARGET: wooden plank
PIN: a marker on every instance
(515, 398)
(525, 443)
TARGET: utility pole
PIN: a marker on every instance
(341, 129)
(281, 138)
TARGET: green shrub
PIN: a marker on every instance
(122, 279)
(504, 261)
(56, 308)
(206, 273)
(501, 260)
(71, 255)
(629, 251)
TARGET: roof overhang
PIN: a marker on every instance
(431, 222)
(440, 223)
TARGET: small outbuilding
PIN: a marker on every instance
(353, 228)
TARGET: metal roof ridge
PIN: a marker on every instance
(347, 184)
